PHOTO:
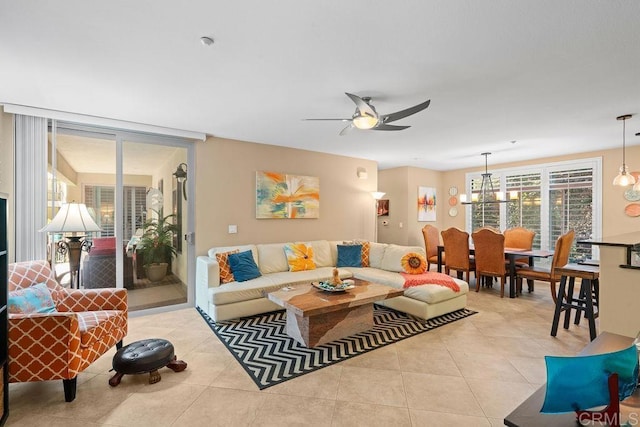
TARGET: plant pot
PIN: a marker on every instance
(156, 272)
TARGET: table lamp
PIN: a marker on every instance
(73, 218)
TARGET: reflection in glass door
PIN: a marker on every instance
(154, 223)
(82, 169)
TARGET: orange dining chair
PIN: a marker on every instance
(456, 248)
(489, 257)
(431, 242)
(548, 274)
(520, 238)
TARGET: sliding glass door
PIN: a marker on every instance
(155, 214)
(129, 184)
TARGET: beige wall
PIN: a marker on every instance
(225, 194)
(401, 186)
(6, 171)
(614, 220)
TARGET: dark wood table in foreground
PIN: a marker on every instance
(528, 413)
(316, 317)
(510, 254)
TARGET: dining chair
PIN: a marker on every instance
(431, 242)
(519, 238)
(456, 248)
(489, 257)
(548, 274)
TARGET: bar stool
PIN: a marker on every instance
(586, 300)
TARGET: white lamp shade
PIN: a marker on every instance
(377, 194)
(72, 218)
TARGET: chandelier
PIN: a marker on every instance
(487, 194)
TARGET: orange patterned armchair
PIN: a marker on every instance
(59, 345)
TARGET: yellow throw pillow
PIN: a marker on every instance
(299, 257)
(414, 263)
(226, 276)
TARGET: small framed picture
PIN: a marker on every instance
(383, 207)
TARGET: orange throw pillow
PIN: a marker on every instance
(226, 276)
(366, 250)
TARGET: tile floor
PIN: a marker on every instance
(472, 372)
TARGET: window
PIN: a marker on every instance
(571, 207)
(100, 201)
(552, 199)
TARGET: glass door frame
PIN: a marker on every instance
(120, 137)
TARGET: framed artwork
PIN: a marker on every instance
(426, 204)
(280, 195)
(383, 207)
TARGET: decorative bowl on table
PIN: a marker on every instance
(328, 287)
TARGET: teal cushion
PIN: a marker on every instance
(34, 299)
(243, 266)
(349, 256)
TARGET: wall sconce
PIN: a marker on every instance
(181, 176)
(362, 173)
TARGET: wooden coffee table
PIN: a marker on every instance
(316, 317)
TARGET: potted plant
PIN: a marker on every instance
(156, 245)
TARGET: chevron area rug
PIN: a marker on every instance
(263, 348)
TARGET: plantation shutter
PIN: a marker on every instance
(135, 207)
(100, 201)
(485, 214)
(525, 210)
(570, 207)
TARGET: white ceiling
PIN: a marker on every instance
(551, 75)
(95, 155)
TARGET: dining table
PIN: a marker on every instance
(511, 254)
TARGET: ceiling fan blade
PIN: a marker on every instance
(339, 120)
(388, 118)
(383, 126)
(347, 129)
(363, 107)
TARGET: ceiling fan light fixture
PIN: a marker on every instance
(624, 178)
(365, 122)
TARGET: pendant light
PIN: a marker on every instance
(624, 178)
(487, 194)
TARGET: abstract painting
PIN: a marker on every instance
(280, 195)
(426, 204)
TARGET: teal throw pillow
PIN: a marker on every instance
(243, 266)
(349, 255)
(34, 299)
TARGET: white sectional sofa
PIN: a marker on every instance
(239, 299)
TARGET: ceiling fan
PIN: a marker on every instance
(367, 118)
